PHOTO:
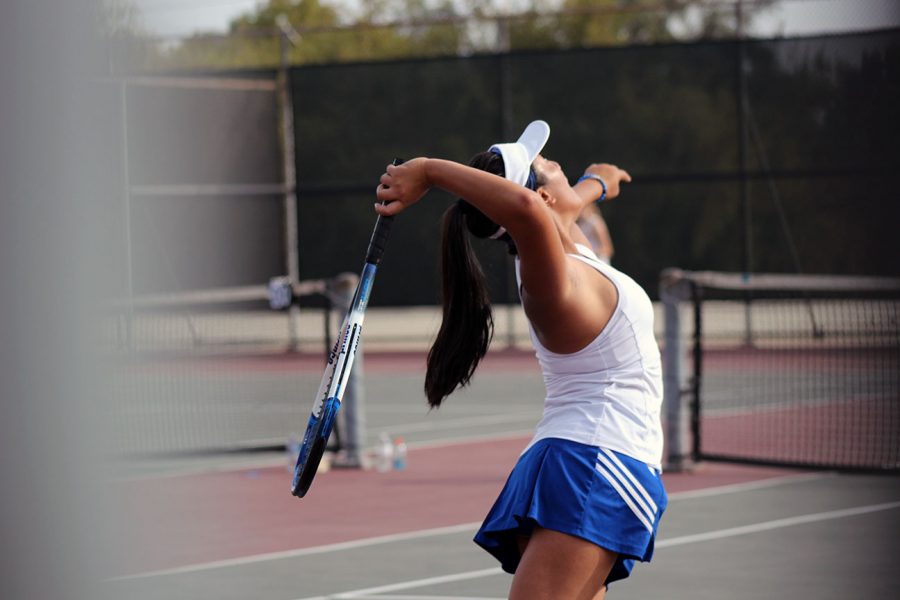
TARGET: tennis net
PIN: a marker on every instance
(211, 370)
(787, 370)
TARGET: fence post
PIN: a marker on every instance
(289, 166)
(672, 291)
(352, 415)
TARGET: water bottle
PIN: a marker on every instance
(384, 454)
(399, 454)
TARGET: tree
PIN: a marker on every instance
(129, 45)
(326, 37)
(383, 29)
(585, 23)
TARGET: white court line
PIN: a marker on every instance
(405, 585)
(776, 524)
(353, 544)
(366, 593)
(424, 533)
(276, 461)
(734, 488)
(232, 466)
(403, 597)
(775, 406)
(389, 597)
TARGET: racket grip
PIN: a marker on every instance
(379, 239)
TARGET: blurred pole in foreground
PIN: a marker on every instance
(53, 518)
(288, 35)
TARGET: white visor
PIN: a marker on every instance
(518, 156)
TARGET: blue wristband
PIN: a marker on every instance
(595, 178)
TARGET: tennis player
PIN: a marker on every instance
(585, 498)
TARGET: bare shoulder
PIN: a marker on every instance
(573, 321)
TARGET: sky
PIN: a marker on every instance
(788, 17)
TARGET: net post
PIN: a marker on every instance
(352, 415)
(673, 290)
(697, 376)
(289, 167)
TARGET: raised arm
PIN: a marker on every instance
(590, 190)
(502, 201)
(522, 212)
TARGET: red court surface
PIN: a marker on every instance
(199, 518)
(854, 432)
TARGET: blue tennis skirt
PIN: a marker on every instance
(593, 493)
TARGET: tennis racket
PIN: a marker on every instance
(340, 361)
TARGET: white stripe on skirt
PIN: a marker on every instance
(624, 483)
(614, 482)
(628, 474)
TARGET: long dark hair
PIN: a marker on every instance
(468, 325)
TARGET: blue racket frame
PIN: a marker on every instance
(340, 362)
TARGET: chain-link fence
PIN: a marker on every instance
(746, 155)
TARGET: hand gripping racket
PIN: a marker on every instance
(340, 361)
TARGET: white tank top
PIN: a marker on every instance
(609, 393)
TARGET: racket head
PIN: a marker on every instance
(314, 442)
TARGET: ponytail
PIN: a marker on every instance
(468, 325)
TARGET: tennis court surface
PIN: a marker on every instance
(226, 526)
